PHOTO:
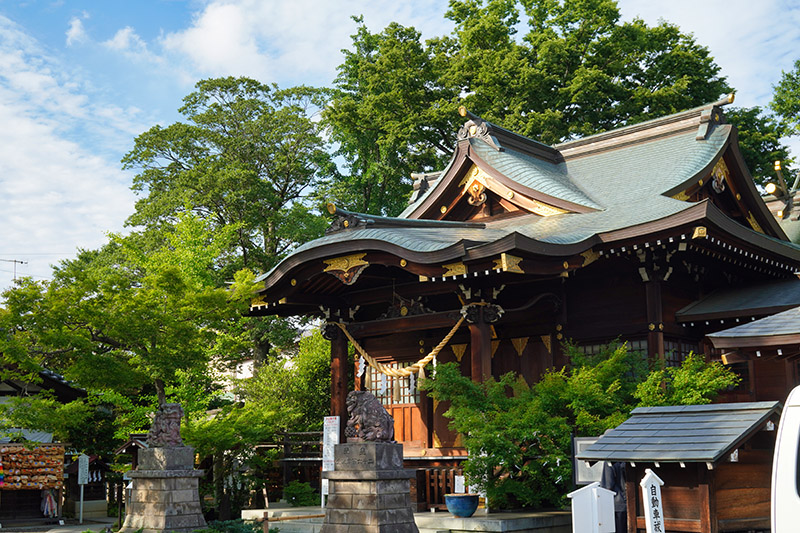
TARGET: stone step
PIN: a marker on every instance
(429, 530)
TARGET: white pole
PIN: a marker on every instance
(80, 521)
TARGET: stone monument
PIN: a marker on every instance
(165, 493)
(370, 491)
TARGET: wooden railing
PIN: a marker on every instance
(302, 444)
(438, 482)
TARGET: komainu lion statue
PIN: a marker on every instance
(368, 420)
(166, 429)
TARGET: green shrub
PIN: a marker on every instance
(519, 436)
(299, 494)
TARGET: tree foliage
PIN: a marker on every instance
(133, 316)
(245, 158)
(786, 98)
(760, 141)
(694, 382)
(297, 384)
(575, 70)
(390, 115)
(519, 436)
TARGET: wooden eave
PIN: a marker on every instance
(756, 341)
(723, 239)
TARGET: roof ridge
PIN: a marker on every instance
(674, 118)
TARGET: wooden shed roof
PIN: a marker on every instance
(686, 433)
(776, 330)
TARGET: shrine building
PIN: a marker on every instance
(653, 234)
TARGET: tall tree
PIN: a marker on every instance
(246, 157)
(134, 315)
(577, 70)
(786, 98)
(390, 115)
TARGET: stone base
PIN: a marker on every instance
(369, 490)
(178, 458)
(164, 500)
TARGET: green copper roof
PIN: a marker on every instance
(542, 176)
(646, 170)
(754, 300)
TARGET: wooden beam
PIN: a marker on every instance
(631, 497)
(404, 324)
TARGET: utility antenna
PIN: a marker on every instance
(16, 262)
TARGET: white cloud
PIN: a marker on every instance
(125, 40)
(56, 194)
(76, 33)
(289, 42)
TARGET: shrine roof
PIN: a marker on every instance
(686, 433)
(748, 301)
(532, 172)
(612, 186)
(775, 330)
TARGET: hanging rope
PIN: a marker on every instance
(406, 371)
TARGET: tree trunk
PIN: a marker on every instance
(219, 482)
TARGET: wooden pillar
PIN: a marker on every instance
(708, 509)
(339, 380)
(480, 350)
(631, 493)
(655, 320)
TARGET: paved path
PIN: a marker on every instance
(70, 526)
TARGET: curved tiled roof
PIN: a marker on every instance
(621, 178)
(534, 173)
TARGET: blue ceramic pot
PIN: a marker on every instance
(461, 505)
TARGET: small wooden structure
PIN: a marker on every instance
(95, 497)
(715, 461)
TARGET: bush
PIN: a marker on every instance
(519, 437)
(299, 494)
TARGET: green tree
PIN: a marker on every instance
(577, 70)
(297, 385)
(246, 158)
(519, 437)
(760, 141)
(131, 316)
(786, 98)
(694, 382)
(390, 115)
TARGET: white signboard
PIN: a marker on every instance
(458, 485)
(83, 469)
(330, 437)
(653, 508)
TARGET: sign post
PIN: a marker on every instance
(651, 496)
(330, 438)
(83, 479)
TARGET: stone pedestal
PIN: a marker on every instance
(369, 490)
(165, 496)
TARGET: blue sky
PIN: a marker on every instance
(80, 79)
